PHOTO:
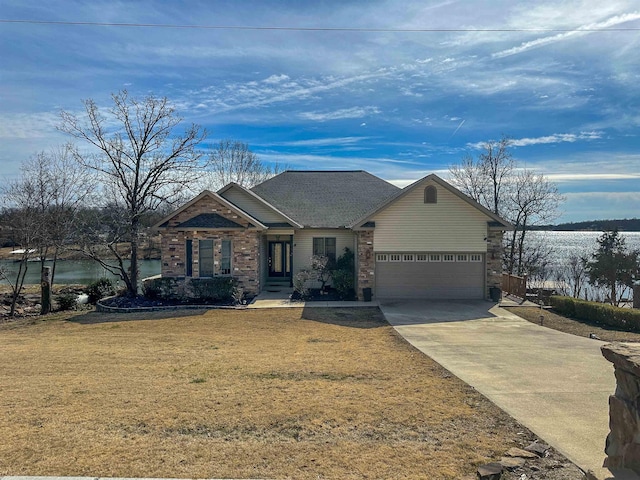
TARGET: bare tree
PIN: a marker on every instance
(233, 161)
(571, 277)
(21, 214)
(142, 163)
(523, 197)
(497, 167)
(60, 187)
(486, 178)
(531, 200)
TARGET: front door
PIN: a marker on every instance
(279, 259)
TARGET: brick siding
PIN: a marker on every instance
(245, 263)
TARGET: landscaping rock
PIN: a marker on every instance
(622, 447)
(511, 463)
(490, 471)
(518, 452)
(538, 448)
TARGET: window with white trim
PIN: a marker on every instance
(422, 257)
(408, 257)
(382, 257)
(476, 257)
(395, 257)
(462, 257)
(325, 246)
(434, 257)
(448, 257)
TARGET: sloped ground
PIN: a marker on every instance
(575, 327)
(286, 393)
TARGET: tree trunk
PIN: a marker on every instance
(53, 266)
(22, 272)
(521, 247)
(133, 269)
(45, 291)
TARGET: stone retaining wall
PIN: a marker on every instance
(623, 442)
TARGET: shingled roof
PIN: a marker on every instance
(209, 220)
(325, 199)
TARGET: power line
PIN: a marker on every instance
(319, 29)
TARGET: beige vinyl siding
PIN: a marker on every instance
(303, 245)
(410, 225)
(253, 206)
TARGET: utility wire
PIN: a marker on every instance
(318, 29)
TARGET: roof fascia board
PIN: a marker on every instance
(219, 198)
(261, 200)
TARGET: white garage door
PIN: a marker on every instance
(430, 275)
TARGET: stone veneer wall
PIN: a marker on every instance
(623, 442)
(245, 243)
(494, 259)
(366, 263)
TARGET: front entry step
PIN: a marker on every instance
(277, 285)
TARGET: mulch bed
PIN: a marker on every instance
(317, 295)
(144, 302)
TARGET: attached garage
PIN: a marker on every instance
(430, 275)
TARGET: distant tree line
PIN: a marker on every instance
(629, 225)
(98, 198)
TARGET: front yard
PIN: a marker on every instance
(287, 393)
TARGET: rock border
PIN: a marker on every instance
(102, 308)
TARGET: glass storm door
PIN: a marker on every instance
(279, 259)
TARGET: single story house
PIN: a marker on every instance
(427, 240)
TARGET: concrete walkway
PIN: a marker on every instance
(554, 383)
(280, 299)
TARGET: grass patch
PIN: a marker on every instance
(82, 398)
(573, 326)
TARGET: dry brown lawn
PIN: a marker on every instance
(286, 393)
(573, 326)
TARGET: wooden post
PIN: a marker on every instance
(45, 291)
(636, 294)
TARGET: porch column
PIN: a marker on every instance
(365, 275)
(291, 260)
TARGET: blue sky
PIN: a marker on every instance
(399, 104)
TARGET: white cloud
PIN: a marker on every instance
(548, 139)
(579, 31)
(574, 177)
(354, 112)
(273, 79)
(632, 198)
(24, 126)
(556, 138)
(322, 142)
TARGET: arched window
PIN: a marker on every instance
(430, 194)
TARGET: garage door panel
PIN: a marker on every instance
(437, 280)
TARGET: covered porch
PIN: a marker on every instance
(277, 259)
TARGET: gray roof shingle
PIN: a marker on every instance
(209, 220)
(325, 199)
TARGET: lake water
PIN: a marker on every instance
(565, 244)
(77, 271)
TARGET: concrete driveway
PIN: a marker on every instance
(554, 383)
